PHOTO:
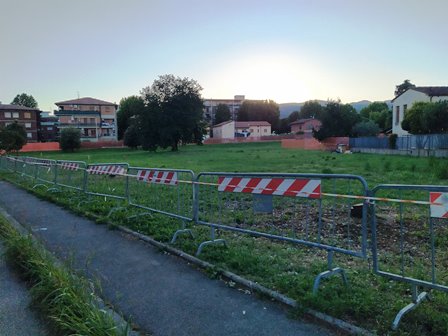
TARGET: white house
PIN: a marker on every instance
(224, 130)
(404, 101)
(228, 129)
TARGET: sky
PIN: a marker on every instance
(287, 51)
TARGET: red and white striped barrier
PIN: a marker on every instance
(271, 186)
(69, 165)
(155, 176)
(439, 204)
(106, 170)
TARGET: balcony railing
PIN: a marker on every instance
(80, 125)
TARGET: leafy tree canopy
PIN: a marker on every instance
(426, 118)
(24, 100)
(399, 89)
(366, 128)
(129, 108)
(173, 113)
(222, 114)
(379, 113)
(260, 110)
(311, 109)
(12, 137)
(337, 120)
(132, 137)
(70, 139)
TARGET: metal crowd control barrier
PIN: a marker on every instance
(71, 174)
(11, 163)
(409, 239)
(295, 208)
(164, 191)
(45, 172)
(28, 168)
(107, 179)
(3, 159)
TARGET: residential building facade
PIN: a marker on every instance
(305, 126)
(211, 105)
(97, 119)
(253, 128)
(28, 117)
(403, 102)
(48, 127)
(231, 129)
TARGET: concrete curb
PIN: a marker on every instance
(23, 230)
(326, 319)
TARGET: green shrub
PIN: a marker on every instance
(70, 139)
(393, 141)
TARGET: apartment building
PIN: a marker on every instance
(26, 116)
(97, 119)
(211, 105)
(48, 127)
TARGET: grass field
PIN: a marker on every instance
(369, 301)
(270, 157)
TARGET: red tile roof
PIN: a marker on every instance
(244, 124)
(85, 101)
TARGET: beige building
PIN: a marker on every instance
(403, 102)
(97, 119)
(231, 129)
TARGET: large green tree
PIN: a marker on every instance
(379, 113)
(128, 109)
(12, 137)
(337, 120)
(260, 110)
(222, 114)
(311, 109)
(426, 118)
(173, 113)
(400, 88)
(24, 100)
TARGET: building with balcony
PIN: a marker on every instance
(26, 116)
(48, 127)
(211, 105)
(97, 119)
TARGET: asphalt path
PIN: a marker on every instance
(162, 294)
(16, 317)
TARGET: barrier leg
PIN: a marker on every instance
(181, 231)
(331, 271)
(211, 241)
(416, 300)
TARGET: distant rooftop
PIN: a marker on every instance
(16, 107)
(301, 121)
(433, 91)
(243, 124)
(85, 101)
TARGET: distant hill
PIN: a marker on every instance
(287, 108)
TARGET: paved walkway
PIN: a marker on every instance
(161, 293)
(16, 318)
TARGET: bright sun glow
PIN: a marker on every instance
(281, 77)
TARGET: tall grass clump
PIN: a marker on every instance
(66, 299)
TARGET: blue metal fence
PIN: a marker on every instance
(406, 142)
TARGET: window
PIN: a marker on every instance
(27, 125)
(405, 108)
(29, 135)
(265, 130)
(15, 115)
(49, 128)
(7, 114)
(397, 115)
(27, 115)
(251, 130)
